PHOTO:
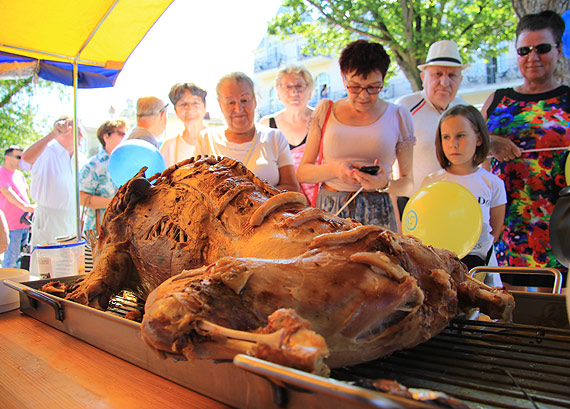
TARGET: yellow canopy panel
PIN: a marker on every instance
(58, 29)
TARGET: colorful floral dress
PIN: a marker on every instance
(533, 181)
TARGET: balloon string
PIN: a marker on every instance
(539, 150)
(349, 200)
(546, 149)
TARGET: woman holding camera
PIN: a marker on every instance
(361, 130)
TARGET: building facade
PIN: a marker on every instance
(480, 79)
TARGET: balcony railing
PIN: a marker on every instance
(268, 63)
(477, 75)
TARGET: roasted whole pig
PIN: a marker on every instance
(262, 273)
(195, 213)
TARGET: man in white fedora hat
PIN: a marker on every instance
(441, 77)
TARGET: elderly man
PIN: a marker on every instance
(151, 120)
(441, 77)
(15, 203)
(51, 162)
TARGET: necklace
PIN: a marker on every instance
(250, 151)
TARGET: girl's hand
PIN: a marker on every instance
(345, 172)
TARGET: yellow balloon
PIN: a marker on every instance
(567, 171)
(445, 215)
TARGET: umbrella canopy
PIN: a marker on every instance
(97, 35)
(81, 43)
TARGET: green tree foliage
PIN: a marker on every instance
(17, 113)
(405, 27)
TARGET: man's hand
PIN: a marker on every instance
(63, 127)
(503, 148)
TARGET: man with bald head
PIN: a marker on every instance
(441, 77)
(151, 120)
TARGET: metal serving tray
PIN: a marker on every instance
(244, 383)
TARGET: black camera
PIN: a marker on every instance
(26, 219)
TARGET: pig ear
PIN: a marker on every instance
(138, 188)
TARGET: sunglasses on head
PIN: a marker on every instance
(540, 49)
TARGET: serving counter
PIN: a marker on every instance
(41, 367)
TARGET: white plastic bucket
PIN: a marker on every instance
(58, 260)
(9, 298)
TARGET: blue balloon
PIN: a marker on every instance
(130, 156)
(566, 35)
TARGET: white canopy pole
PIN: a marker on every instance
(76, 147)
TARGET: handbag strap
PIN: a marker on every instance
(320, 157)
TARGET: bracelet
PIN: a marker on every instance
(385, 188)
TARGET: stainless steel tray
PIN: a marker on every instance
(244, 383)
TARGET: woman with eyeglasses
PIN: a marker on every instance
(189, 103)
(294, 85)
(262, 150)
(362, 130)
(96, 189)
(529, 127)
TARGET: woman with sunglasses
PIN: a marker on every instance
(362, 130)
(527, 123)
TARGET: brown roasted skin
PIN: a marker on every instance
(367, 298)
(191, 215)
(247, 252)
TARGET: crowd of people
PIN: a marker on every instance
(359, 156)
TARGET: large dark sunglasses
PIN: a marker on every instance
(540, 49)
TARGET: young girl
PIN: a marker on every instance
(462, 144)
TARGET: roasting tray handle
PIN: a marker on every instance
(283, 376)
(38, 296)
(556, 288)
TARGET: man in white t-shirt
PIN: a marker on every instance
(441, 77)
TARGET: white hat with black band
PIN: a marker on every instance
(443, 53)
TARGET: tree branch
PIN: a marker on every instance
(19, 86)
(385, 34)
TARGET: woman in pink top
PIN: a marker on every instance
(362, 130)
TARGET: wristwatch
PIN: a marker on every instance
(385, 188)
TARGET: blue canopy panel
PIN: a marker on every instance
(89, 76)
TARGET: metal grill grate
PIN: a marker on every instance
(486, 365)
(124, 303)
